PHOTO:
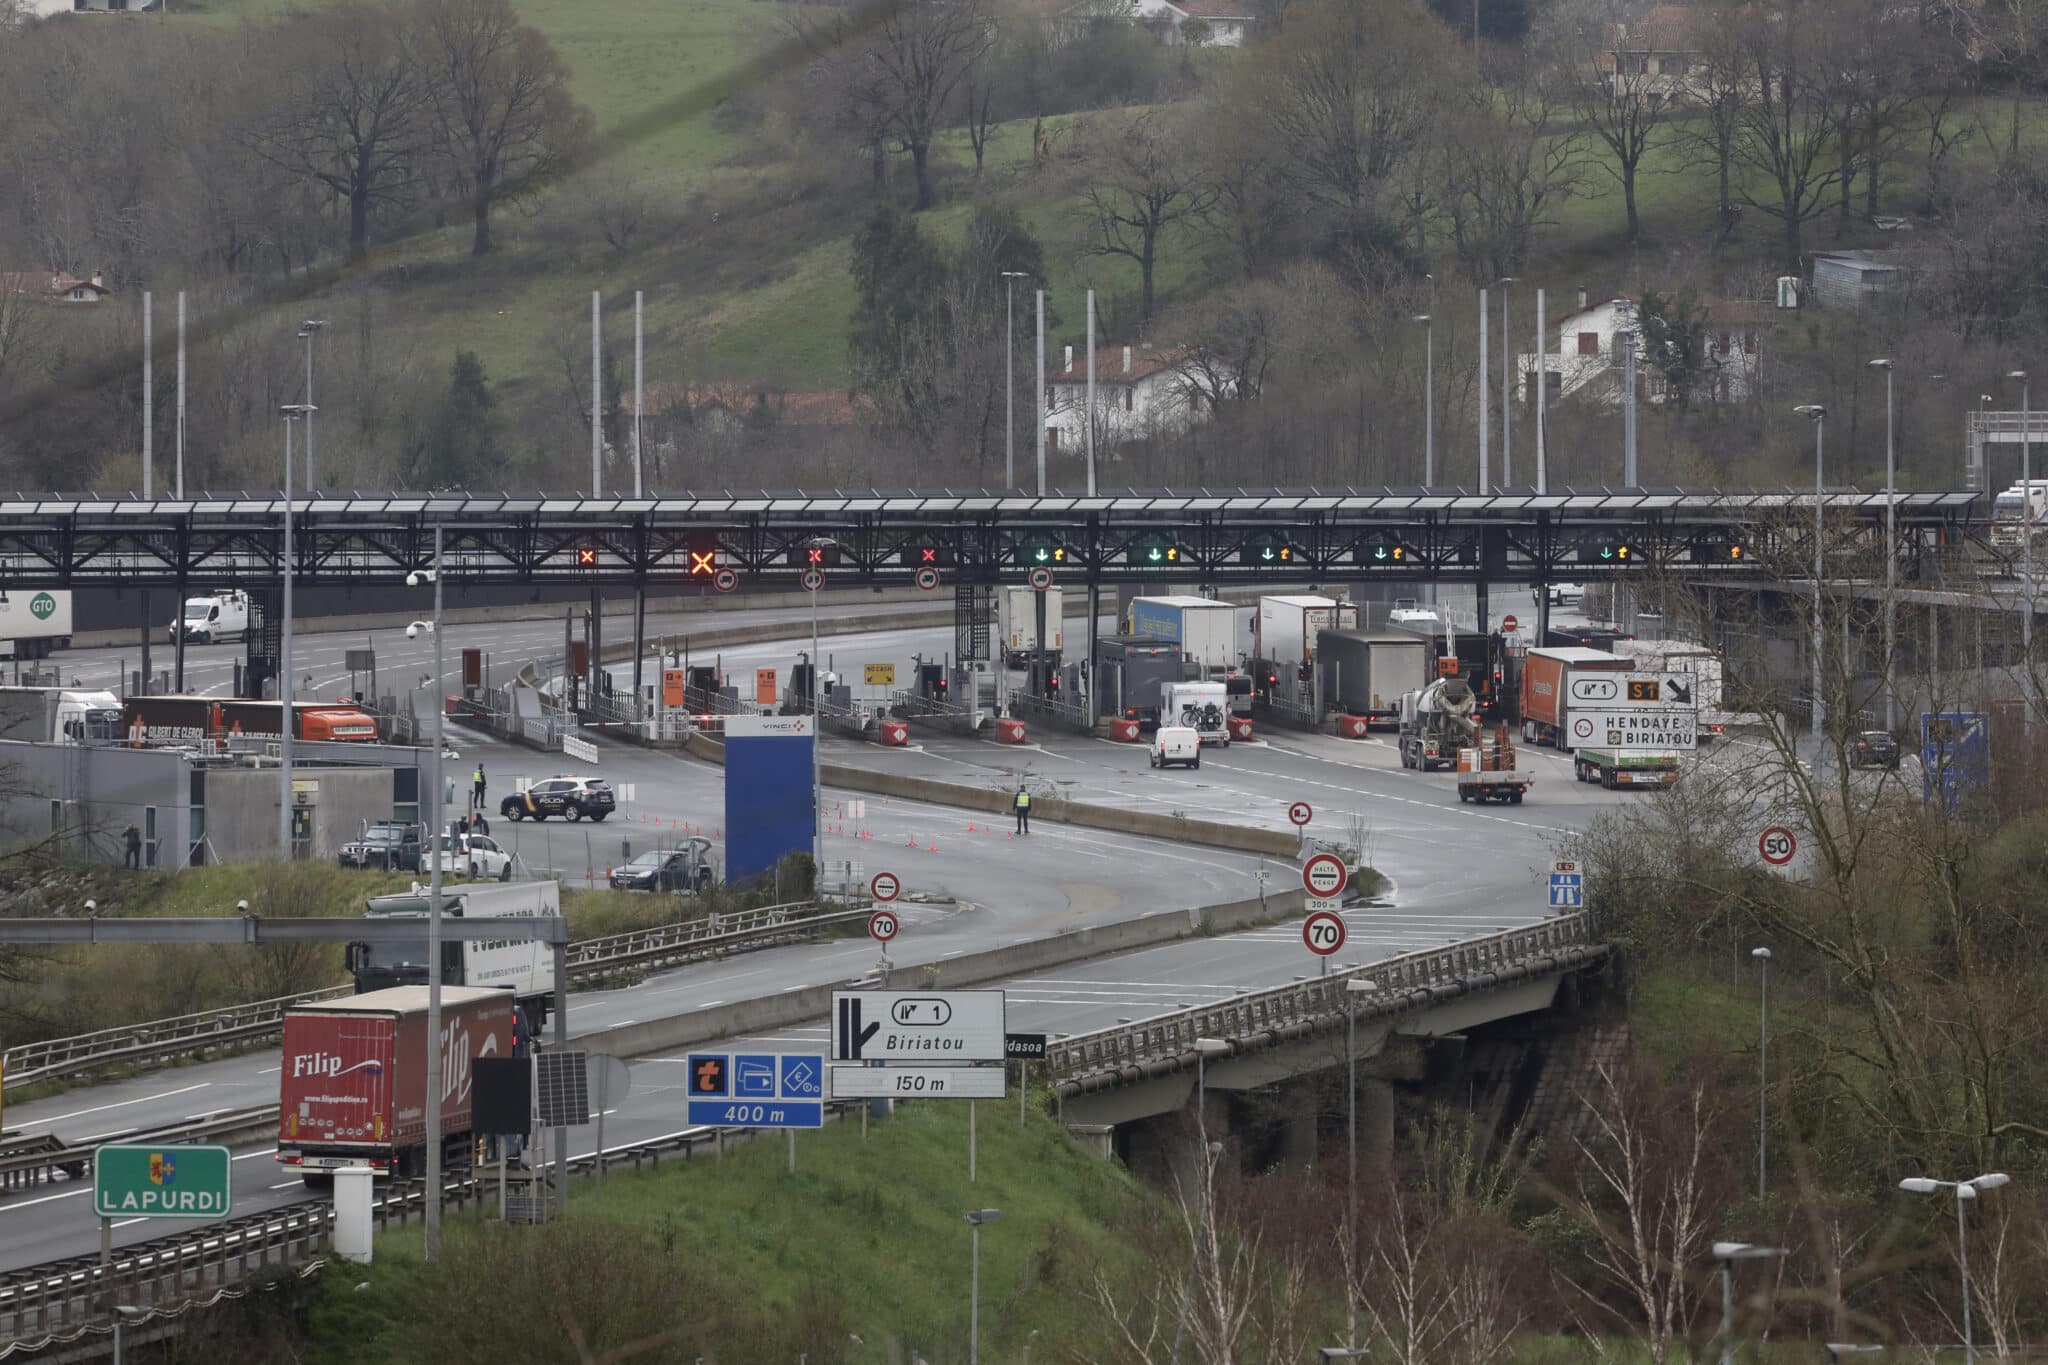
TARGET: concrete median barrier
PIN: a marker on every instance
(742, 1017)
(1271, 843)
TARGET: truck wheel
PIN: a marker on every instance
(1197, 763)
(1607, 781)
(1154, 758)
(318, 1180)
(1514, 798)
(1464, 797)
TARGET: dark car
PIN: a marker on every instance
(572, 798)
(393, 845)
(683, 870)
(1874, 749)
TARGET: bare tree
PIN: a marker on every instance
(1612, 91)
(1513, 164)
(1347, 93)
(501, 95)
(1137, 189)
(1646, 1188)
(1723, 89)
(910, 60)
(1790, 124)
(977, 102)
(353, 111)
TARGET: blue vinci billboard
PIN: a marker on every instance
(769, 800)
(1955, 755)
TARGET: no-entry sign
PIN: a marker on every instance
(882, 925)
(1324, 875)
(1777, 845)
(885, 886)
(1508, 624)
(1323, 932)
(1300, 813)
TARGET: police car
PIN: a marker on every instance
(572, 798)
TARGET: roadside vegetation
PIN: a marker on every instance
(59, 991)
(821, 226)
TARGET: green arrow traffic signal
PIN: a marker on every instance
(1380, 553)
(1607, 552)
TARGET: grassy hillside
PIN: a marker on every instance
(862, 1255)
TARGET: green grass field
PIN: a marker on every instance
(867, 1233)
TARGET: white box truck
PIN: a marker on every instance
(34, 622)
(1017, 624)
(1286, 627)
(1204, 629)
(523, 966)
(1703, 666)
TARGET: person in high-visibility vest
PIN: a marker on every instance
(476, 788)
(1022, 805)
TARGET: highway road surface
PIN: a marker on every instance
(1457, 871)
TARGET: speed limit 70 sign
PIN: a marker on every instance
(1323, 932)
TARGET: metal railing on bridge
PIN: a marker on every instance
(187, 1034)
(1324, 997)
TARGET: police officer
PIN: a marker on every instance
(476, 788)
(1022, 805)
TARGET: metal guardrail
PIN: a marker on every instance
(64, 1298)
(1174, 1035)
(186, 1034)
(33, 1163)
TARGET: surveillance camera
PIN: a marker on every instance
(241, 907)
(92, 907)
(412, 580)
(412, 631)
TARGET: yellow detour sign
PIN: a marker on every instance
(879, 675)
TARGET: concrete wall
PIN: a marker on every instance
(1205, 833)
(958, 973)
(100, 792)
(241, 808)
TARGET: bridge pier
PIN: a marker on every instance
(145, 637)
(640, 709)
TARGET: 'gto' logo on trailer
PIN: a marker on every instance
(42, 606)
(327, 1064)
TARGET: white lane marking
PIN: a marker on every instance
(102, 1108)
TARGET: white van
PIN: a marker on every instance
(1173, 744)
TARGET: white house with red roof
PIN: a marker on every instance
(1140, 391)
(1212, 23)
(1590, 356)
(55, 286)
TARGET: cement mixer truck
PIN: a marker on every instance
(1436, 722)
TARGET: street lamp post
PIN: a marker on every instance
(1819, 413)
(433, 843)
(1010, 278)
(1763, 1061)
(287, 721)
(1428, 397)
(817, 800)
(307, 330)
(1891, 551)
(1353, 988)
(2028, 518)
(1728, 1253)
(1965, 1190)
(1507, 407)
(975, 1218)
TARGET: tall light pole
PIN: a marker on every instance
(1542, 397)
(1010, 278)
(433, 843)
(1353, 988)
(307, 331)
(1891, 550)
(1965, 1190)
(287, 720)
(1038, 404)
(1507, 407)
(1428, 397)
(1485, 422)
(2028, 519)
(1819, 413)
(1763, 1064)
(817, 796)
(975, 1219)
(1728, 1253)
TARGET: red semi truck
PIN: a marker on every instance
(1550, 700)
(352, 1087)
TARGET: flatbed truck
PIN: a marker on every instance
(1487, 772)
(1614, 768)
